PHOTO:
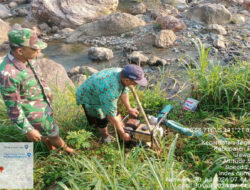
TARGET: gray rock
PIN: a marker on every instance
(100, 53)
(238, 19)
(139, 8)
(217, 29)
(54, 74)
(219, 42)
(44, 27)
(165, 38)
(20, 1)
(138, 57)
(156, 61)
(87, 70)
(113, 24)
(13, 5)
(4, 12)
(4, 28)
(22, 12)
(210, 14)
(78, 79)
(71, 13)
(84, 70)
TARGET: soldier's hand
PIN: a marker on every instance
(133, 111)
(50, 96)
(125, 137)
(34, 135)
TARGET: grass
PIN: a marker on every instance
(181, 162)
(219, 88)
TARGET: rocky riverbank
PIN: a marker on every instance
(154, 34)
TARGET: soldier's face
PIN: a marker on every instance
(29, 53)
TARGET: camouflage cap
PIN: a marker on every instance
(25, 37)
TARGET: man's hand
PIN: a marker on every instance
(50, 96)
(34, 135)
(125, 136)
(133, 111)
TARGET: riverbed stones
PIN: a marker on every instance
(246, 4)
(100, 53)
(238, 19)
(210, 13)
(4, 28)
(4, 12)
(13, 5)
(54, 74)
(171, 23)
(71, 13)
(217, 29)
(139, 8)
(137, 57)
(165, 38)
(113, 24)
(156, 61)
(219, 41)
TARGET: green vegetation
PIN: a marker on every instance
(181, 162)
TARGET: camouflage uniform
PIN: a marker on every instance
(24, 91)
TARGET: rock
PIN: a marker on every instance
(22, 12)
(54, 74)
(165, 38)
(210, 13)
(156, 61)
(246, 4)
(179, 4)
(44, 28)
(78, 79)
(139, 8)
(4, 12)
(13, 5)
(238, 19)
(138, 57)
(100, 53)
(217, 29)
(171, 23)
(19, 2)
(113, 24)
(4, 28)
(85, 70)
(71, 13)
(65, 32)
(219, 42)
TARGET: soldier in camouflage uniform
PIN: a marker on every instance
(25, 93)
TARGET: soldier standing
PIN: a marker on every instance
(25, 93)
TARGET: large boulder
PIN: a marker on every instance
(171, 23)
(54, 74)
(4, 12)
(4, 28)
(113, 24)
(165, 38)
(210, 13)
(71, 13)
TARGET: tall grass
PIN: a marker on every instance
(219, 87)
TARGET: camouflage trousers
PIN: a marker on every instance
(45, 123)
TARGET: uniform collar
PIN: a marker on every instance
(18, 64)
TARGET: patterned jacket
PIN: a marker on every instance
(24, 91)
(100, 93)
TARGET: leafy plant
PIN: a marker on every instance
(79, 139)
